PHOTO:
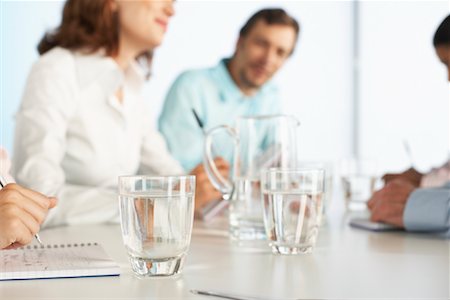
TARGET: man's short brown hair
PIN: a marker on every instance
(271, 16)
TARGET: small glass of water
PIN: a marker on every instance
(359, 181)
(293, 202)
(156, 216)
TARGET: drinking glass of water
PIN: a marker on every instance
(156, 216)
(359, 182)
(293, 202)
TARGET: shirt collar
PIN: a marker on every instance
(103, 70)
(135, 75)
(229, 91)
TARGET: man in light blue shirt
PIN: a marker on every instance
(239, 86)
(400, 202)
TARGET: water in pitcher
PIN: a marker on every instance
(246, 211)
(292, 220)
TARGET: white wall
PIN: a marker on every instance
(404, 88)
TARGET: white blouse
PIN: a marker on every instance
(74, 138)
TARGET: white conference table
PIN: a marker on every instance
(347, 264)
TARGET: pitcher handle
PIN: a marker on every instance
(225, 186)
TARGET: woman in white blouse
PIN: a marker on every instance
(82, 121)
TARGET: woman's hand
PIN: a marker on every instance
(22, 211)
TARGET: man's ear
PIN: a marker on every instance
(240, 42)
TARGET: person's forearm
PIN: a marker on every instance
(428, 210)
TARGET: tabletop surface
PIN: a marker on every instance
(347, 263)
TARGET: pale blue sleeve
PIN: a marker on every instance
(177, 123)
(428, 210)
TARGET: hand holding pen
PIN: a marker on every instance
(22, 211)
(411, 175)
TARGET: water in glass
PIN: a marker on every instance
(156, 218)
(292, 220)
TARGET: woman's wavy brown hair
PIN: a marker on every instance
(88, 26)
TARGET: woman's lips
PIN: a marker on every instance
(162, 23)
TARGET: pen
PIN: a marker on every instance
(2, 185)
(199, 122)
(226, 296)
(408, 152)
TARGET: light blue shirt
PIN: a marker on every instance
(428, 210)
(217, 100)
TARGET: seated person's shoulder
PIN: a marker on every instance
(57, 56)
(57, 60)
(193, 76)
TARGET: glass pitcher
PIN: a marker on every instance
(260, 142)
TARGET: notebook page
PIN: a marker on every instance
(56, 261)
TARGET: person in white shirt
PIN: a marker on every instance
(82, 121)
(22, 211)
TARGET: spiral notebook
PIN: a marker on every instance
(56, 261)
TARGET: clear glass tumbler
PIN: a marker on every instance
(293, 202)
(156, 216)
(359, 181)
